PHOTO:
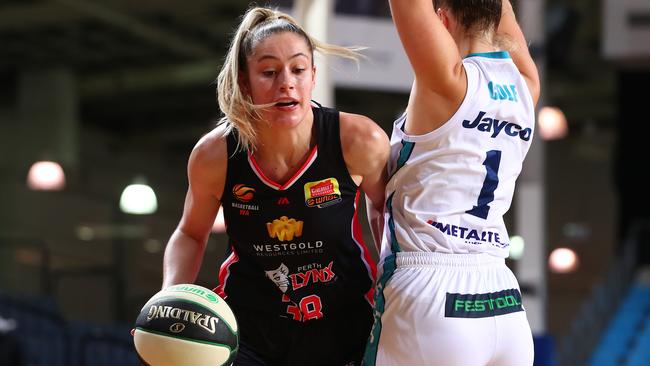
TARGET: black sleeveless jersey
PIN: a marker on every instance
(295, 249)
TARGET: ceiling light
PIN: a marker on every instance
(563, 260)
(517, 245)
(552, 123)
(138, 199)
(46, 176)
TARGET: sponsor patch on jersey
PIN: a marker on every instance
(243, 193)
(289, 249)
(494, 127)
(322, 193)
(284, 228)
(471, 236)
(500, 91)
(483, 305)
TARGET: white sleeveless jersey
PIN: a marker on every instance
(450, 188)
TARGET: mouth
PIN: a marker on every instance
(288, 103)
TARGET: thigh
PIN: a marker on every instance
(336, 341)
(246, 356)
(262, 339)
(416, 332)
(515, 345)
(449, 342)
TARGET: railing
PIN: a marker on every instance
(45, 338)
(577, 346)
(40, 332)
(45, 278)
(105, 347)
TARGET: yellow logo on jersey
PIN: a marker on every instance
(322, 193)
(284, 228)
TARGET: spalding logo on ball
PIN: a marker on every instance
(186, 325)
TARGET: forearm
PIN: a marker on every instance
(428, 45)
(182, 261)
(509, 27)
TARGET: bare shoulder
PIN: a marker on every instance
(210, 149)
(363, 142)
(357, 129)
(208, 161)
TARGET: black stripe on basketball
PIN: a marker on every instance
(186, 320)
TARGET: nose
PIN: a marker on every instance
(286, 80)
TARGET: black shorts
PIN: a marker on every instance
(339, 339)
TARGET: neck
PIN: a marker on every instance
(477, 44)
(281, 151)
(283, 146)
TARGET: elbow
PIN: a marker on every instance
(199, 240)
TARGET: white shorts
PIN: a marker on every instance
(448, 310)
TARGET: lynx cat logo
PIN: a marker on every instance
(207, 322)
(494, 127)
(306, 275)
(280, 277)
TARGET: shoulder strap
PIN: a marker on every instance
(328, 136)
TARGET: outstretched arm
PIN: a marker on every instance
(206, 173)
(431, 50)
(520, 54)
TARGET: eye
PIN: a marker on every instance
(299, 70)
(268, 72)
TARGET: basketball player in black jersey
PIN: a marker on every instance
(288, 174)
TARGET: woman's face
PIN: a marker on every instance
(280, 72)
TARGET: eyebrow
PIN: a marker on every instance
(265, 57)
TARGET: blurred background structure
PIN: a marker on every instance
(98, 95)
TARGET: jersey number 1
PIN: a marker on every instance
(490, 184)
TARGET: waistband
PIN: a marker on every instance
(420, 259)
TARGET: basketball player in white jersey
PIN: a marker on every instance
(445, 295)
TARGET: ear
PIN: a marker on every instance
(442, 14)
(313, 77)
